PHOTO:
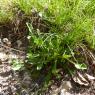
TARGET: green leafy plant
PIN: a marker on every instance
(48, 49)
(70, 23)
(17, 65)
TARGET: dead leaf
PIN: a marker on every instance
(89, 77)
(77, 80)
(81, 77)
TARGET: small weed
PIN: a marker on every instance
(17, 65)
(70, 24)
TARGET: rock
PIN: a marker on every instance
(6, 42)
(3, 56)
(66, 85)
(63, 92)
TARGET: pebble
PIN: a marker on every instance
(64, 92)
(66, 85)
(3, 56)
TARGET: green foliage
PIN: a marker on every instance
(49, 48)
(70, 23)
(17, 65)
(44, 48)
(24, 5)
(6, 10)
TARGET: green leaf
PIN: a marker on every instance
(54, 69)
(17, 64)
(81, 66)
(38, 41)
(17, 67)
(66, 56)
(39, 66)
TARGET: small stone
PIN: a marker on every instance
(66, 85)
(64, 92)
(3, 56)
(5, 40)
